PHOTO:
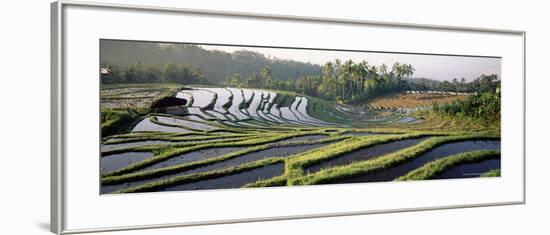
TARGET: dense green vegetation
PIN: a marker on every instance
(116, 122)
(483, 105)
(484, 83)
(146, 73)
(213, 64)
(344, 82)
(436, 167)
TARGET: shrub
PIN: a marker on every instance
(485, 106)
(116, 122)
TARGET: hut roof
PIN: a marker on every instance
(168, 102)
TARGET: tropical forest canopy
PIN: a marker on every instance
(215, 65)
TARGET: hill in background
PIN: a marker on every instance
(215, 65)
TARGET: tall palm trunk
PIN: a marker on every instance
(351, 88)
(344, 90)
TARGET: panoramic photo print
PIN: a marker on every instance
(182, 116)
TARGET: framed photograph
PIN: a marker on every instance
(165, 117)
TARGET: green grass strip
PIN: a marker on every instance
(434, 168)
(145, 134)
(382, 162)
(178, 180)
(491, 173)
(175, 151)
(204, 136)
(273, 182)
(116, 179)
(156, 121)
(177, 168)
(160, 147)
(295, 165)
(167, 152)
(222, 128)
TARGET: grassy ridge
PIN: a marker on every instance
(162, 147)
(284, 99)
(295, 165)
(115, 179)
(379, 163)
(178, 180)
(491, 173)
(116, 122)
(275, 181)
(156, 121)
(176, 168)
(173, 151)
(438, 166)
(173, 138)
(120, 138)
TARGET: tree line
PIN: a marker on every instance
(216, 65)
(146, 73)
(484, 104)
(484, 83)
(341, 81)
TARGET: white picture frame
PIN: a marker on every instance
(76, 207)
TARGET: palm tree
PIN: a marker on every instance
(396, 70)
(348, 72)
(383, 70)
(402, 70)
(361, 71)
(373, 72)
(328, 70)
(408, 70)
(337, 65)
(338, 72)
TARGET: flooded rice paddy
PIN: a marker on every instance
(226, 116)
(439, 152)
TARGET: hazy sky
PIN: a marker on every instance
(429, 66)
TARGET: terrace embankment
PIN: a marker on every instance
(436, 153)
(364, 154)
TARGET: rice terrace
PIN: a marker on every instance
(194, 117)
